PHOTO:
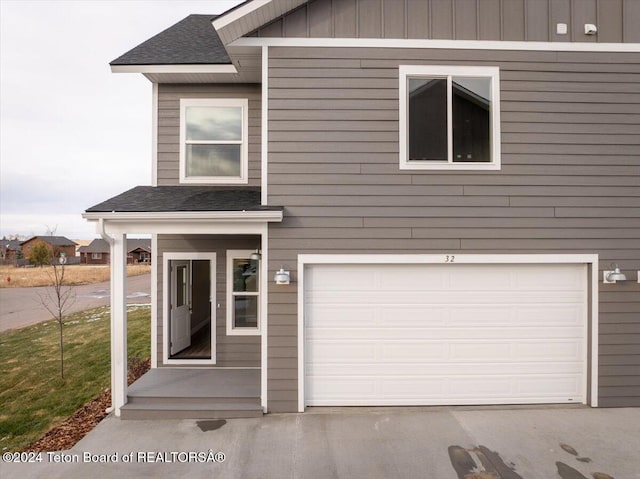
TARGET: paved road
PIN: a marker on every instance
(376, 443)
(20, 307)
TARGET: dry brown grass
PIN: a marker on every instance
(12, 277)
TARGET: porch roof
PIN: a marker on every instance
(150, 199)
(171, 205)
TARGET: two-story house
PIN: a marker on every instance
(387, 202)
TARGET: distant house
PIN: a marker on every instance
(57, 245)
(97, 252)
(10, 250)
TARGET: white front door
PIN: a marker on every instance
(180, 318)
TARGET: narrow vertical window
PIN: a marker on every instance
(243, 293)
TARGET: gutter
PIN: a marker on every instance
(182, 216)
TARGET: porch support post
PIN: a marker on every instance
(119, 322)
(264, 317)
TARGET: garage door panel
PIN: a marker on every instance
(506, 334)
(434, 297)
(549, 385)
(345, 352)
(329, 316)
(551, 350)
(565, 277)
(414, 277)
(332, 278)
(444, 369)
(467, 390)
(412, 315)
(333, 388)
(445, 334)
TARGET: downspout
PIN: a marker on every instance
(103, 233)
(109, 240)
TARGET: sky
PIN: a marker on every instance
(73, 134)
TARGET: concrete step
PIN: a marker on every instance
(212, 401)
(193, 410)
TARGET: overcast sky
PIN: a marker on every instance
(73, 134)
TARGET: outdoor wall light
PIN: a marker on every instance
(282, 276)
(256, 256)
(615, 275)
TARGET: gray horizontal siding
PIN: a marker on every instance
(232, 351)
(569, 182)
(169, 96)
(513, 20)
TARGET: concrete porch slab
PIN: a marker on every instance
(197, 383)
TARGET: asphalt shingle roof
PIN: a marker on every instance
(191, 41)
(101, 246)
(54, 240)
(184, 198)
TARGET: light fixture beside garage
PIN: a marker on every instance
(282, 276)
(256, 255)
(615, 275)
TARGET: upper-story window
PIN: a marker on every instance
(213, 140)
(449, 118)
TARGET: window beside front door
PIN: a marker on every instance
(243, 293)
(96, 255)
(214, 140)
(449, 117)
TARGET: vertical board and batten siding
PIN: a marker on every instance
(569, 182)
(513, 20)
(231, 351)
(169, 96)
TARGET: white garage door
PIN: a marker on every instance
(426, 334)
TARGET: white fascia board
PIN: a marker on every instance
(186, 216)
(227, 68)
(435, 44)
(238, 13)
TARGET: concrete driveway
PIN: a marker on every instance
(21, 307)
(431, 443)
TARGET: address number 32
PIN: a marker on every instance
(449, 258)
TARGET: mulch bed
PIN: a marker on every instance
(74, 428)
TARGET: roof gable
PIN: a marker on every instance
(191, 41)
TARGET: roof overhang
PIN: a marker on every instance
(252, 44)
(181, 216)
(248, 70)
(184, 222)
(247, 17)
(215, 69)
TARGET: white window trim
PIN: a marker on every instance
(244, 144)
(231, 331)
(96, 255)
(493, 73)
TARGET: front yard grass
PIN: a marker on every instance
(12, 277)
(33, 397)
